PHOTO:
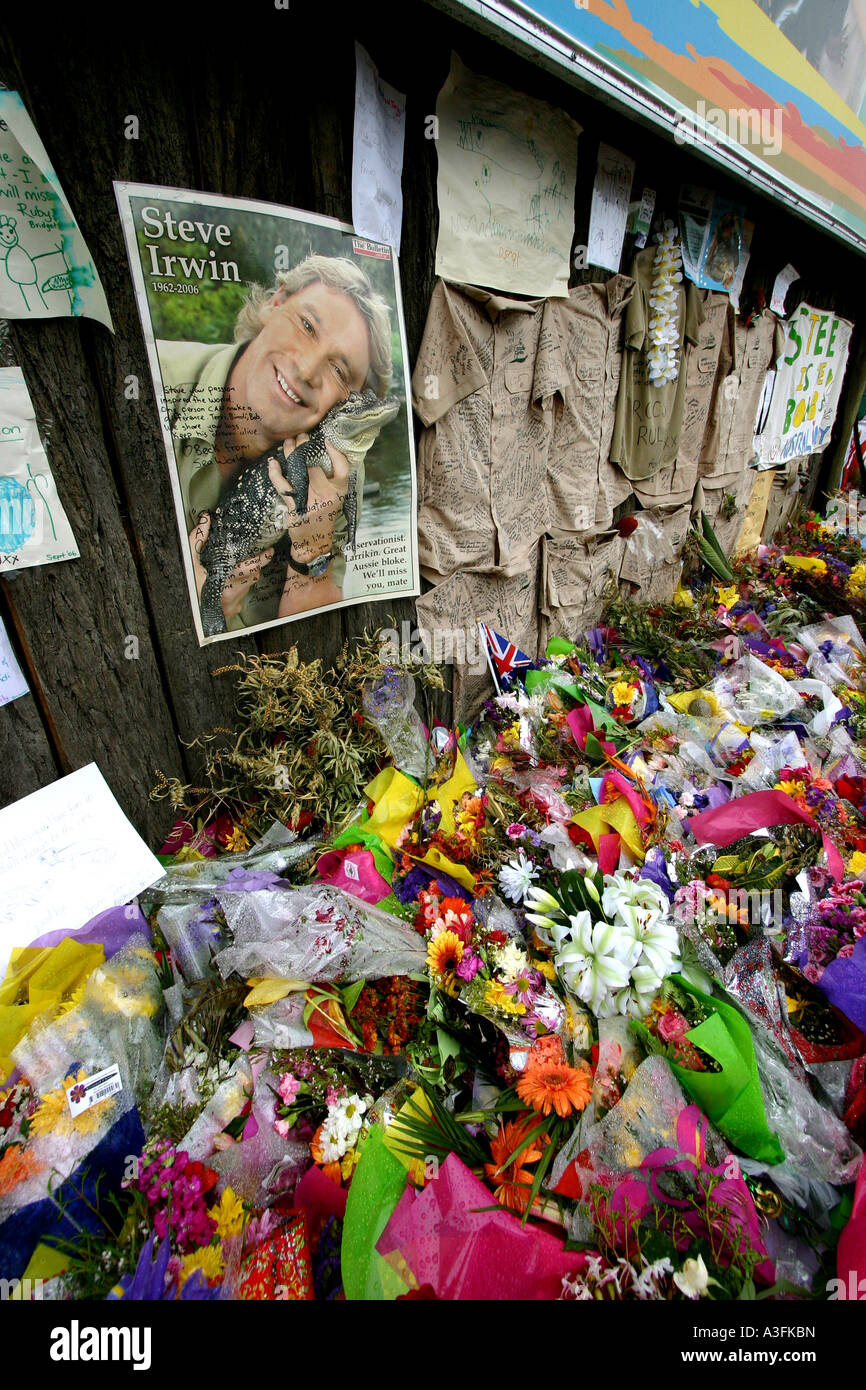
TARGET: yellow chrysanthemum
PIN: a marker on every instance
(496, 998)
(545, 968)
(229, 1214)
(790, 788)
(856, 583)
(125, 989)
(209, 1260)
(348, 1163)
(54, 1116)
(73, 1001)
(237, 842)
(857, 862)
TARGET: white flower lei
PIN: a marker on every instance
(664, 335)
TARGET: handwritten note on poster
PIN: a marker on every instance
(12, 682)
(34, 529)
(377, 162)
(609, 212)
(46, 270)
(507, 172)
(68, 853)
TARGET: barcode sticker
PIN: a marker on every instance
(93, 1089)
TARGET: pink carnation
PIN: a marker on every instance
(282, 1127)
(288, 1087)
(845, 952)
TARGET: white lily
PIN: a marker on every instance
(621, 891)
(590, 964)
(539, 900)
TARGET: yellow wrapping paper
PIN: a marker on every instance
(40, 977)
(397, 799)
(615, 815)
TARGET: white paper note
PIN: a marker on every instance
(377, 158)
(784, 281)
(609, 212)
(507, 173)
(68, 853)
(46, 270)
(12, 682)
(34, 529)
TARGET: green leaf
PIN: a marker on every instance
(448, 1045)
(350, 995)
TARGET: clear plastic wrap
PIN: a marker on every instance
(816, 1143)
(315, 934)
(754, 692)
(115, 1022)
(389, 705)
(278, 852)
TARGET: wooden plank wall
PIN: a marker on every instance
(249, 102)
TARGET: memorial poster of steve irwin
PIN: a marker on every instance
(277, 348)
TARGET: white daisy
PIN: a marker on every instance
(515, 877)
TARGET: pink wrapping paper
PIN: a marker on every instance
(851, 1251)
(463, 1251)
(581, 723)
(363, 879)
(625, 788)
(758, 811)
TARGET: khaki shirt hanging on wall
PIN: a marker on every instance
(484, 383)
(649, 417)
(582, 487)
(676, 483)
(729, 440)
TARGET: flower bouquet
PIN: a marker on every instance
(714, 1060)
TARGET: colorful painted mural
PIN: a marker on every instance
(783, 79)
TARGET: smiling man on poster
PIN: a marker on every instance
(320, 334)
(277, 349)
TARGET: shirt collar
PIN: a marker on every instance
(199, 416)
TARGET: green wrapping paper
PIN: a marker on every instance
(377, 1186)
(731, 1099)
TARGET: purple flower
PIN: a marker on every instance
(656, 870)
(421, 876)
(468, 967)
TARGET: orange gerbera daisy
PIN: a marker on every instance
(549, 1083)
(444, 952)
(511, 1186)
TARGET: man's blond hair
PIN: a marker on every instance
(338, 273)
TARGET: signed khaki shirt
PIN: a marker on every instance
(646, 435)
(675, 483)
(583, 488)
(747, 355)
(487, 372)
